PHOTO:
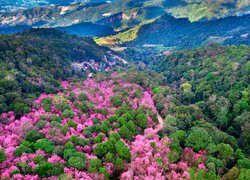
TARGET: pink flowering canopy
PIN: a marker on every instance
(92, 130)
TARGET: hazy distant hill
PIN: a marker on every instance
(12, 5)
(121, 14)
(181, 33)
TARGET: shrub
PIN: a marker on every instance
(119, 164)
(95, 165)
(25, 147)
(20, 108)
(110, 157)
(83, 97)
(173, 156)
(113, 140)
(244, 163)
(47, 103)
(39, 159)
(46, 170)
(123, 151)
(55, 118)
(126, 133)
(47, 107)
(116, 101)
(103, 170)
(132, 127)
(3, 156)
(64, 129)
(115, 135)
(72, 124)
(67, 113)
(142, 120)
(33, 136)
(45, 145)
(59, 151)
(100, 150)
(24, 168)
(104, 128)
(79, 141)
(41, 124)
(67, 153)
(121, 121)
(198, 139)
(98, 139)
(110, 146)
(76, 162)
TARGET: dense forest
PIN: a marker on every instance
(124, 89)
(32, 62)
(215, 81)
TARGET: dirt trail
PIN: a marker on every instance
(158, 127)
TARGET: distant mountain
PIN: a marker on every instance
(181, 33)
(88, 29)
(12, 5)
(121, 14)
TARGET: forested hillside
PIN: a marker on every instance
(175, 33)
(216, 81)
(32, 62)
(125, 89)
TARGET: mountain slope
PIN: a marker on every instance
(33, 61)
(181, 33)
(216, 80)
(121, 14)
(12, 5)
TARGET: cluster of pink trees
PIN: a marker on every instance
(149, 153)
(150, 159)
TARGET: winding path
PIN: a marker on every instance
(158, 127)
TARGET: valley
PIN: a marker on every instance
(125, 89)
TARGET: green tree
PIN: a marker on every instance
(198, 139)
(119, 164)
(116, 101)
(125, 133)
(100, 150)
(222, 119)
(24, 168)
(142, 120)
(3, 156)
(68, 113)
(225, 151)
(33, 136)
(122, 150)
(25, 147)
(76, 162)
(132, 127)
(95, 165)
(244, 163)
(45, 145)
(46, 170)
(21, 108)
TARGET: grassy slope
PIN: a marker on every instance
(123, 37)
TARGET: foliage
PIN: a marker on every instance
(46, 170)
(3, 156)
(76, 162)
(198, 139)
(33, 136)
(45, 145)
(94, 165)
